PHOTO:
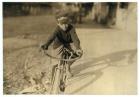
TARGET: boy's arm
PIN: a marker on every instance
(77, 48)
(50, 39)
(75, 38)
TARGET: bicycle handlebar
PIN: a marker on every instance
(72, 59)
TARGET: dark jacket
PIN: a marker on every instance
(60, 37)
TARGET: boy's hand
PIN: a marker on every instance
(43, 47)
(79, 52)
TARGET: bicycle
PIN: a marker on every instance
(59, 76)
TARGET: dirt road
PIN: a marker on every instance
(108, 65)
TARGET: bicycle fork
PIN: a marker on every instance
(58, 79)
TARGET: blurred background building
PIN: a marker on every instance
(102, 13)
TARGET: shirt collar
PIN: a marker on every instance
(62, 27)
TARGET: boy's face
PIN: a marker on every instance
(63, 21)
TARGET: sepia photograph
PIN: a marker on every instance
(69, 48)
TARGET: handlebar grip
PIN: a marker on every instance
(71, 54)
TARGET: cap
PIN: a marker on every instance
(61, 13)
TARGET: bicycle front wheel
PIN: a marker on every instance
(55, 81)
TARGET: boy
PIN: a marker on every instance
(64, 35)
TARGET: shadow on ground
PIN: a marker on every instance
(104, 61)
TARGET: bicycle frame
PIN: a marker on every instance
(59, 77)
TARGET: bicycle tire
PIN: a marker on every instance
(63, 79)
(56, 78)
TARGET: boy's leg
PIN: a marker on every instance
(68, 69)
